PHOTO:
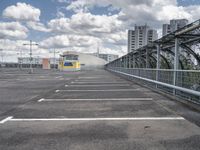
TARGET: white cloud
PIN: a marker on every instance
(153, 12)
(12, 30)
(12, 49)
(86, 30)
(118, 38)
(60, 14)
(22, 11)
(170, 12)
(64, 1)
(86, 23)
(61, 25)
(55, 42)
(69, 41)
(96, 23)
(37, 26)
(111, 30)
(193, 12)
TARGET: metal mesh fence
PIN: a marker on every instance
(188, 79)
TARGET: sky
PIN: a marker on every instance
(82, 25)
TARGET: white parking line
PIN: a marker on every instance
(97, 77)
(73, 82)
(90, 81)
(5, 120)
(57, 91)
(73, 85)
(42, 99)
(93, 119)
(88, 77)
(98, 99)
(58, 77)
(108, 90)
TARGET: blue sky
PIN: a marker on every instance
(188, 2)
(84, 25)
(50, 7)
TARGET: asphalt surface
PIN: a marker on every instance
(90, 110)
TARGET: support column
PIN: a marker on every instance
(140, 59)
(147, 58)
(134, 64)
(122, 62)
(125, 65)
(127, 61)
(176, 62)
(157, 63)
(130, 61)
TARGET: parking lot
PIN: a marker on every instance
(90, 110)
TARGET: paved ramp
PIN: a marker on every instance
(97, 111)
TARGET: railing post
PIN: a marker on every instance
(176, 63)
(134, 66)
(122, 65)
(140, 59)
(147, 58)
(157, 63)
(130, 61)
(125, 61)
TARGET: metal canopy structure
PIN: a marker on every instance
(177, 50)
(171, 63)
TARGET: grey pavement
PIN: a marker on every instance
(90, 110)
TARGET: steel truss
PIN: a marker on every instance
(177, 50)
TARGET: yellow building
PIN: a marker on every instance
(73, 61)
(69, 62)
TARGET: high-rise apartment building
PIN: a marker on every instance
(142, 35)
(177, 24)
(174, 25)
(166, 29)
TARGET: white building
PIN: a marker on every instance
(166, 29)
(88, 61)
(141, 36)
(36, 60)
(174, 25)
(106, 57)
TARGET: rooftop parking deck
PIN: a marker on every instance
(90, 110)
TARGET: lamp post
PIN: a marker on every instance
(20, 59)
(54, 57)
(31, 44)
(1, 50)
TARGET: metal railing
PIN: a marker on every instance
(139, 63)
(182, 83)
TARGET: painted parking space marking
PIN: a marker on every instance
(5, 120)
(57, 91)
(58, 77)
(73, 82)
(98, 99)
(97, 77)
(91, 81)
(108, 90)
(73, 85)
(42, 99)
(12, 119)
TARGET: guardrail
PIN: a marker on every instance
(182, 83)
